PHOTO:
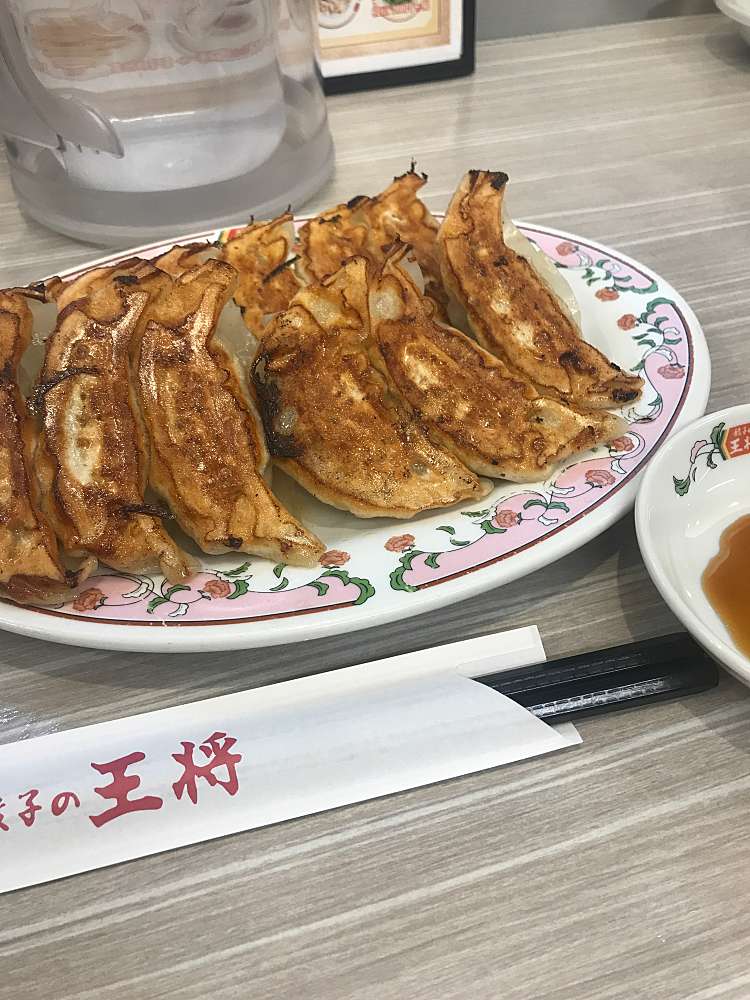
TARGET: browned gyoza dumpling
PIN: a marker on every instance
(207, 448)
(333, 421)
(368, 226)
(513, 311)
(332, 237)
(398, 215)
(494, 421)
(92, 462)
(260, 253)
(31, 568)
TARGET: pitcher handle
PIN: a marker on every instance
(65, 118)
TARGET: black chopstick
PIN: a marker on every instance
(607, 679)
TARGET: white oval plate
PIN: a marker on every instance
(377, 571)
(695, 488)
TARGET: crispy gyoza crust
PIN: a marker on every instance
(329, 239)
(183, 257)
(31, 570)
(368, 226)
(64, 291)
(497, 424)
(176, 261)
(398, 214)
(92, 462)
(333, 421)
(512, 311)
(267, 281)
(207, 447)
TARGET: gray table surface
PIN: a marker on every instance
(619, 870)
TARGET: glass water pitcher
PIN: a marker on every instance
(126, 120)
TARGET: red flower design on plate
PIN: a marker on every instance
(216, 589)
(627, 322)
(599, 477)
(89, 599)
(671, 371)
(623, 443)
(566, 248)
(334, 557)
(506, 518)
(399, 543)
(607, 294)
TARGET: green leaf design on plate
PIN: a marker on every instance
(405, 564)
(491, 529)
(654, 304)
(340, 574)
(279, 569)
(534, 503)
(240, 588)
(716, 435)
(238, 571)
(398, 582)
(447, 529)
(432, 560)
(558, 505)
(408, 558)
(681, 486)
(458, 542)
(174, 589)
(280, 586)
(649, 290)
(475, 513)
(366, 589)
(322, 588)
(154, 603)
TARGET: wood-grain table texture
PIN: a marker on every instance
(619, 870)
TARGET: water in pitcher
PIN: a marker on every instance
(155, 117)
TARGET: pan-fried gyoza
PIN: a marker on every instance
(494, 421)
(335, 423)
(183, 257)
(512, 310)
(92, 462)
(266, 280)
(207, 448)
(31, 567)
(332, 237)
(368, 226)
(63, 293)
(399, 215)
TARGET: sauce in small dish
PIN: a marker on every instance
(726, 582)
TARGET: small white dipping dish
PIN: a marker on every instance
(695, 486)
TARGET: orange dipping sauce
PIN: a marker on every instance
(726, 582)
